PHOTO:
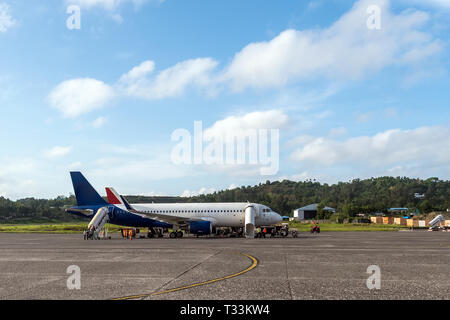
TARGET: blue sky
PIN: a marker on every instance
(348, 101)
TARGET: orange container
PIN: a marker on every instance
(399, 221)
(388, 220)
(412, 223)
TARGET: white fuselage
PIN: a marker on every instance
(220, 214)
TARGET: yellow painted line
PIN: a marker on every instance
(253, 266)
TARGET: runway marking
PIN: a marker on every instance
(253, 266)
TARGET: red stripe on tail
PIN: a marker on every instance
(112, 199)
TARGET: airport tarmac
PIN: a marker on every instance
(413, 265)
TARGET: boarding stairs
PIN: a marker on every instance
(98, 222)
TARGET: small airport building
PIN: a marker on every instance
(309, 212)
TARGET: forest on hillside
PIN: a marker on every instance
(349, 198)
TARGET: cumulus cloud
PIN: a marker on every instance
(82, 95)
(188, 193)
(232, 186)
(15, 177)
(77, 96)
(6, 20)
(57, 152)
(424, 146)
(139, 72)
(346, 50)
(270, 119)
(170, 82)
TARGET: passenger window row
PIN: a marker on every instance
(193, 211)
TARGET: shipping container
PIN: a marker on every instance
(412, 223)
(377, 220)
(400, 221)
(388, 220)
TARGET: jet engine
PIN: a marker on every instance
(200, 227)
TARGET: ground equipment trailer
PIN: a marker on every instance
(276, 231)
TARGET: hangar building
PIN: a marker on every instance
(309, 212)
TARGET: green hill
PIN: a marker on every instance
(357, 196)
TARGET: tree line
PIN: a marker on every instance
(349, 198)
(353, 197)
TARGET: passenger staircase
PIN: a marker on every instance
(95, 227)
(435, 223)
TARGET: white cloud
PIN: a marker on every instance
(77, 96)
(15, 167)
(6, 20)
(425, 147)
(154, 194)
(57, 152)
(99, 122)
(188, 193)
(75, 165)
(436, 3)
(170, 82)
(139, 72)
(346, 50)
(297, 177)
(15, 177)
(232, 186)
(110, 5)
(271, 119)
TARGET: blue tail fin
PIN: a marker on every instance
(84, 192)
(125, 202)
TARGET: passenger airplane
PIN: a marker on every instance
(197, 218)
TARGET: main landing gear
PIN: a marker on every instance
(176, 234)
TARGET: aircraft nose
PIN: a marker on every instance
(277, 218)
